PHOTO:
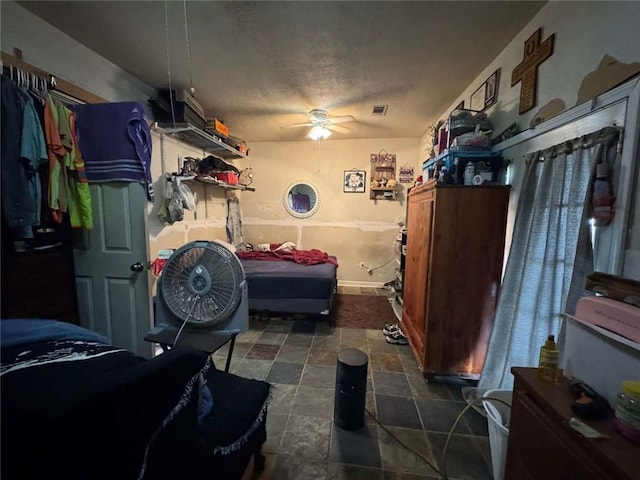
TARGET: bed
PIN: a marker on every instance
(286, 283)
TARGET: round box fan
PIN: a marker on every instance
(203, 286)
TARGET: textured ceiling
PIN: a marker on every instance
(260, 66)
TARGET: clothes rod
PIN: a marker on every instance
(61, 85)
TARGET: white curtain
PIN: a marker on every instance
(550, 254)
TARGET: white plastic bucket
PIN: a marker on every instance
(498, 419)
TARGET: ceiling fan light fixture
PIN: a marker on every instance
(319, 132)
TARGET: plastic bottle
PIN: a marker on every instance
(548, 363)
(469, 173)
(628, 410)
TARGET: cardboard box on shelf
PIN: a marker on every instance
(217, 126)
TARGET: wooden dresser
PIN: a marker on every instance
(39, 284)
(455, 248)
(542, 445)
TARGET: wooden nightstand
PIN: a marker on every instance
(542, 445)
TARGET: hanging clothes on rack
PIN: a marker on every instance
(58, 191)
(47, 180)
(33, 151)
(68, 185)
(21, 155)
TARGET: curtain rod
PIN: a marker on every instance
(60, 85)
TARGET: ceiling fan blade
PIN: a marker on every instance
(337, 128)
(342, 119)
(308, 124)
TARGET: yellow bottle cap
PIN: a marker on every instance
(631, 387)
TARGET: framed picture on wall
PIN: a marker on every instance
(491, 90)
(354, 181)
(478, 98)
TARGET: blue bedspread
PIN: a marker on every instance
(22, 331)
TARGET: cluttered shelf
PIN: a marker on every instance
(199, 138)
(449, 155)
(462, 151)
(213, 181)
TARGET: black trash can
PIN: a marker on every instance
(351, 389)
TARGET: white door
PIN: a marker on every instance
(111, 266)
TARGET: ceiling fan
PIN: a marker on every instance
(322, 124)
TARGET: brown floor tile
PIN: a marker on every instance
(293, 467)
(341, 471)
(293, 354)
(299, 339)
(276, 423)
(307, 437)
(359, 344)
(321, 376)
(282, 398)
(263, 352)
(272, 338)
(278, 325)
(385, 362)
(358, 447)
(381, 345)
(313, 402)
(398, 459)
(249, 368)
(283, 372)
(323, 356)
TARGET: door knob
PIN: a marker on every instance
(137, 267)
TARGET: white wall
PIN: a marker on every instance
(351, 226)
(584, 33)
(49, 49)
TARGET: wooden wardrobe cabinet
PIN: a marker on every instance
(455, 247)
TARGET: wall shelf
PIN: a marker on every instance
(382, 192)
(198, 138)
(383, 169)
(213, 181)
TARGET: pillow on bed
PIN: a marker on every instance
(231, 247)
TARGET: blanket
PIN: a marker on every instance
(96, 402)
(115, 141)
(29, 330)
(303, 257)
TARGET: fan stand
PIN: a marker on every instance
(202, 340)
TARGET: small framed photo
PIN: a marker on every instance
(491, 91)
(354, 181)
(478, 98)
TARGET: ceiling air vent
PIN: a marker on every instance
(379, 110)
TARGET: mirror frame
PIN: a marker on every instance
(289, 208)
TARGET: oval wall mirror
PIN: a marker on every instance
(301, 199)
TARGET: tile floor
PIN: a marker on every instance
(298, 356)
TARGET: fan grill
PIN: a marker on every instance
(208, 274)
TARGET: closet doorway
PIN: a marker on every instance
(111, 266)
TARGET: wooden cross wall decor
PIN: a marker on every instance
(527, 72)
